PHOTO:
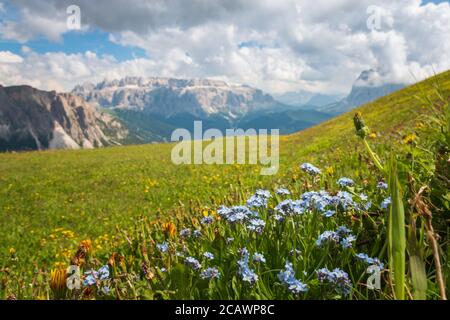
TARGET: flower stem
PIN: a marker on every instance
(374, 156)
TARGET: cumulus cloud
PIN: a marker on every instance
(51, 25)
(278, 46)
(9, 57)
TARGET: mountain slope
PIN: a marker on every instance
(32, 119)
(367, 87)
(388, 116)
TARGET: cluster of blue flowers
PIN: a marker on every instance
(287, 278)
(242, 214)
(312, 201)
(338, 278)
(244, 271)
(345, 182)
(342, 235)
(370, 261)
(256, 225)
(236, 214)
(259, 199)
(283, 192)
(185, 233)
(207, 220)
(93, 276)
(310, 169)
(208, 255)
(386, 202)
(193, 263)
(321, 201)
(197, 233)
(290, 207)
(382, 185)
(259, 258)
(163, 247)
(210, 273)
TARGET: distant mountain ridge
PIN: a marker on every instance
(168, 97)
(172, 103)
(32, 119)
(306, 99)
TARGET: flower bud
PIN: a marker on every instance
(361, 129)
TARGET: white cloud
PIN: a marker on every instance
(268, 44)
(9, 57)
(32, 25)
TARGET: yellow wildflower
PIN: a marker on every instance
(170, 229)
(419, 125)
(60, 265)
(410, 138)
(67, 233)
(86, 245)
(66, 253)
(58, 282)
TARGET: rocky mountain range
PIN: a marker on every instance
(153, 107)
(31, 119)
(168, 97)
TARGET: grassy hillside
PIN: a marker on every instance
(50, 201)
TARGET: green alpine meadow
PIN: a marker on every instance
(359, 209)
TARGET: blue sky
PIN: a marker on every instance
(278, 46)
(78, 42)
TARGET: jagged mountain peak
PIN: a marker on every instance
(369, 86)
(371, 78)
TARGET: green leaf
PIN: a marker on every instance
(180, 280)
(396, 234)
(418, 271)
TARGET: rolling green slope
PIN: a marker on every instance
(87, 193)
